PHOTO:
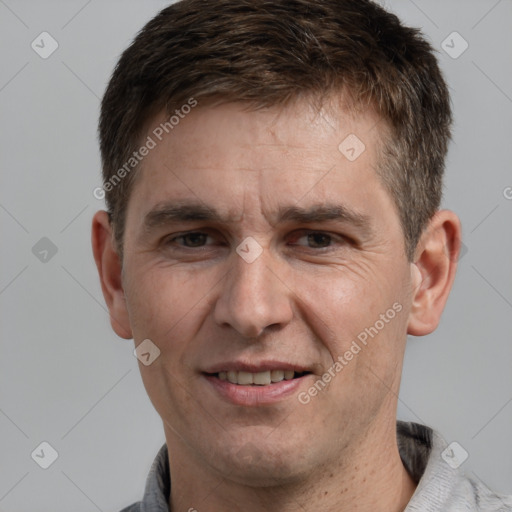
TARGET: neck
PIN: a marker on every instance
(371, 478)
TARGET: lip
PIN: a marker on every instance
(262, 366)
(252, 396)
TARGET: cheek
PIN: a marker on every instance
(162, 303)
(339, 301)
(357, 317)
(166, 308)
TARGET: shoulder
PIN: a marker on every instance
(442, 483)
(479, 497)
(157, 490)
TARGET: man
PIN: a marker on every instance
(273, 175)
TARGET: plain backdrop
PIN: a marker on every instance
(65, 377)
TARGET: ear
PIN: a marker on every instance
(109, 268)
(433, 271)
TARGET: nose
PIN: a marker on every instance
(253, 297)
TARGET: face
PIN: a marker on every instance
(256, 251)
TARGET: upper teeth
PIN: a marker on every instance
(260, 378)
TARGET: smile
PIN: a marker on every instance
(256, 388)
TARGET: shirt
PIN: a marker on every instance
(434, 465)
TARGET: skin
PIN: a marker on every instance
(302, 301)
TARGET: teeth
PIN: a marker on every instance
(258, 379)
(245, 378)
(262, 378)
(277, 375)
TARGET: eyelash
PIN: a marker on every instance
(332, 239)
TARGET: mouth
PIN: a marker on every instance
(262, 378)
(254, 385)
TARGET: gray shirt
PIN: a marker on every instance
(434, 465)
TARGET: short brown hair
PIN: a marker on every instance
(267, 52)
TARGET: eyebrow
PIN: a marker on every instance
(323, 213)
(186, 211)
(166, 213)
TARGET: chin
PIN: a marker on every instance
(256, 464)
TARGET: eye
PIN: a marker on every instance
(189, 240)
(319, 240)
(316, 239)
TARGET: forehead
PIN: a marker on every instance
(237, 130)
(232, 156)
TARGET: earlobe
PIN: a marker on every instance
(109, 268)
(433, 272)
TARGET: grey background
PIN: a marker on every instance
(65, 377)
